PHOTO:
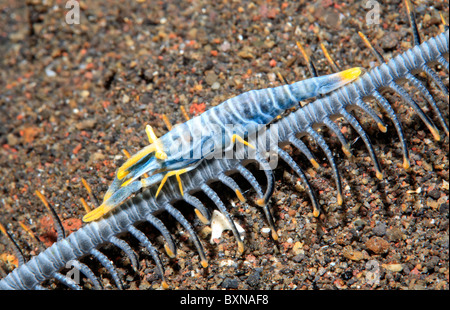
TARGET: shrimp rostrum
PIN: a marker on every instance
(184, 147)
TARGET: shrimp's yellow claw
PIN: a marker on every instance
(107, 196)
(240, 139)
(127, 182)
(123, 170)
(150, 134)
(98, 212)
(122, 174)
(159, 153)
(155, 146)
(350, 74)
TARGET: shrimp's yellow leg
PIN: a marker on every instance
(240, 139)
(176, 173)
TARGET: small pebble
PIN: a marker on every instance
(394, 234)
(210, 77)
(228, 263)
(215, 86)
(84, 93)
(377, 245)
(50, 73)
(434, 193)
(265, 231)
(125, 99)
(254, 279)
(230, 283)
(298, 248)
(225, 46)
(349, 253)
(393, 267)
(380, 229)
(298, 258)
